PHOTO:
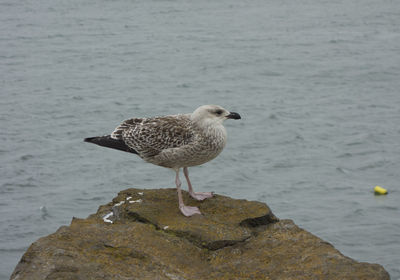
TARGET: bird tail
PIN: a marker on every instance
(107, 141)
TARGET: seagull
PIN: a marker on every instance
(174, 141)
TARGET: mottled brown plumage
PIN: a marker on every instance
(151, 136)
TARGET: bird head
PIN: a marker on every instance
(212, 114)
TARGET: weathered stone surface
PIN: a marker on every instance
(216, 228)
(150, 239)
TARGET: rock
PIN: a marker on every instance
(213, 230)
(146, 237)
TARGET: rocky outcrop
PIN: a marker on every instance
(142, 235)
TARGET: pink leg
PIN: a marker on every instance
(195, 195)
(186, 210)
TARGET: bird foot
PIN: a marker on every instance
(189, 210)
(201, 195)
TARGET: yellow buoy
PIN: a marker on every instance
(380, 190)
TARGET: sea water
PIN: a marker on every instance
(315, 81)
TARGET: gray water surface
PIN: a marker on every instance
(316, 82)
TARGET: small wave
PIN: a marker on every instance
(273, 117)
(342, 170)
(19, 185)
(10, 250)
(26, 157)
(184, 85)
(345, 155)
(96, 198)
(376, 164)
(284, 165)
(362, 153)
(58, 35)
(337, 41)
(391, 208)
(271, 74)
(354, 143)
(358, 211)
(341, 188)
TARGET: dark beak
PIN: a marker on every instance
(233, 115)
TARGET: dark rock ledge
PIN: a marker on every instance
(146, 237)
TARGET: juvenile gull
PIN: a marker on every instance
(175, 141)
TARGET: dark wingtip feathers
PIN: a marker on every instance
(107, 141)
(89, 139)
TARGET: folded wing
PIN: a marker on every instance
(149, 136)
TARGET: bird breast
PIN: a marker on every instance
(207, 144)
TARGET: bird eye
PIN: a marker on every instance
(219, 112)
